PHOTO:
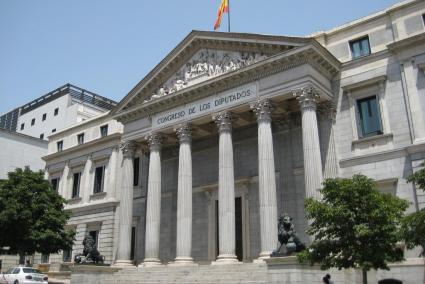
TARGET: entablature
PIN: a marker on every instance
(312, 54)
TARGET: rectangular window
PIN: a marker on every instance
(423, 18)
(76, 185)
(22, 126)
(360, 47)
(95, 236)
(136, 163)
(55, 184)
(44, 258)
(59, 145)
(42, 136)
(44, 116)
(370, 119)
(98, 179)
(56, 111)
(104, 131)
(32, 121)
(66, 255)
(80, 138)
(53, 130)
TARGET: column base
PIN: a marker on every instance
(122, 262)
(183, 261)
(149, 262)
(263, 256)
(224, 259)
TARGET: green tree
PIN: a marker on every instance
(32, 216)
(354, 226)
(413, 229)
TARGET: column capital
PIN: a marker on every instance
(307, 97)
(223, 120)
(184, 132)
(128, 148)
(154, 141)
(263, 110)
(327, 109)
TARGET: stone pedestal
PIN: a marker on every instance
(226, 191)
(126, 205)
(267, 179)
(153, 207)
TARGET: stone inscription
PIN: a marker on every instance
(205, 106)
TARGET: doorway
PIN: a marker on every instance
(238, 229)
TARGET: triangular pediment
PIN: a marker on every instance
(202, 56)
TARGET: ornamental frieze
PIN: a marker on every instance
(204, 65)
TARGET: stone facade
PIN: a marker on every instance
(206, 168)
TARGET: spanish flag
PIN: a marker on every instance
(224, 8)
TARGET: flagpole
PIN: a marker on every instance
(228, 14)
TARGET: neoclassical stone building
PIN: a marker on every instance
(230, 129)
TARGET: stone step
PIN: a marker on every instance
(251, 273)
(183, 281)
(194, 277)
(208, 268)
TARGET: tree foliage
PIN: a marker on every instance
(32, 216)
(354, 226)
(413, 229)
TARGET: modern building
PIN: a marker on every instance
(58, 109)
(230, 130)
(20, 151)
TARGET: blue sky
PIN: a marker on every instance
(108, 46)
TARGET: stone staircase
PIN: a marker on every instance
(250, 273)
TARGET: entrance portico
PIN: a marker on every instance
(288, 81)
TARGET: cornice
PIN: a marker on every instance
(415, 148)
(364, 83)
(401, 45)
(313, 54)
(357, 62)
(83, 125)
(373, 157)
(366, 19)
(82, 147)
(91, 206)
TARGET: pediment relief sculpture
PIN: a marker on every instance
(204, 65)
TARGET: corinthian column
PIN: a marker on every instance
(153, 206)
(226, 190)
(267, 179)
(126, 205)
(311, 146)
(184, 197)
(326, 110)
